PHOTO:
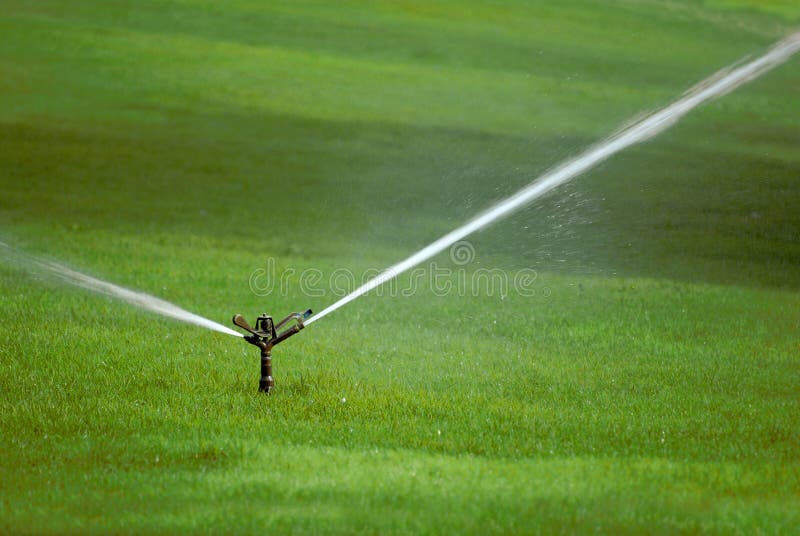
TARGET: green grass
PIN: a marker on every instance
(649, 385)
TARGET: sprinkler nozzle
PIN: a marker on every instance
(267, 334)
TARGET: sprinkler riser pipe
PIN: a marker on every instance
(267, 382)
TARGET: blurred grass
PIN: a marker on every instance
(648, 385)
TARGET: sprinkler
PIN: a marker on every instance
(265, 335)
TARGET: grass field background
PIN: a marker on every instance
(650, 383)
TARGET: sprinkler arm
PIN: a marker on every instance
(282, 336)
(285, 334)
(299, 317)
(239, 321)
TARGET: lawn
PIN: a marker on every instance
(647, 380)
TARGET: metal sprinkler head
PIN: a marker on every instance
(266, 335)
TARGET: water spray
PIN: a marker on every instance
(52, 270)
(643, 129)
(266, 335)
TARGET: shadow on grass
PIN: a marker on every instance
(669, 209)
